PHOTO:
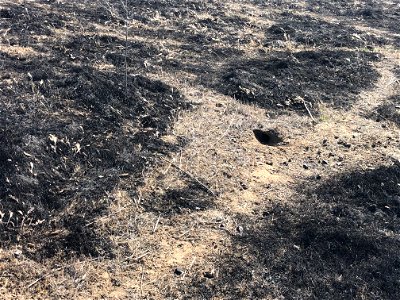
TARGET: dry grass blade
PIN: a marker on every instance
(191, 176)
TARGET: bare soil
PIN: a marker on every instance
(199, 149)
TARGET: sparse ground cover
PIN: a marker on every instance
(156, 181)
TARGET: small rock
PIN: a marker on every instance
(178, 271)
(344, 144)
(115, 282)
(239, 229)
(219, 219)
(209, 275)
(17, 253)
(243, 185)
(305, 166)
(227, 175)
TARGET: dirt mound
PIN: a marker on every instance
(287, 80)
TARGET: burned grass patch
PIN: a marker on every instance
(339, 240)
(185, 200)
(309, 31)
(71, 134)
(286, 80)
(388, 111)
(369, 191)
(377, 14)
(64, 154)
(26, 23)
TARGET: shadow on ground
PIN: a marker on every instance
(339, 241)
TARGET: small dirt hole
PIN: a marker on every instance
(270, 137)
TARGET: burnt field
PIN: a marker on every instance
(199, 149)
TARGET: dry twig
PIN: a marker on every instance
(191, 176)
(309, 112)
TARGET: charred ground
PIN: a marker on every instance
(151, 184)
(327, 244)
(70, 133)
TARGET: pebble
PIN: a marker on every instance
(178, 271)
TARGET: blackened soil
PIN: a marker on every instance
(378, 14)
(388, 111)
(316, 33)
(191, 198)
(338, 242)
(287, 80)
(70, 135)
(69, 131)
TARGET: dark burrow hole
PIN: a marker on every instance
(269, 137)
